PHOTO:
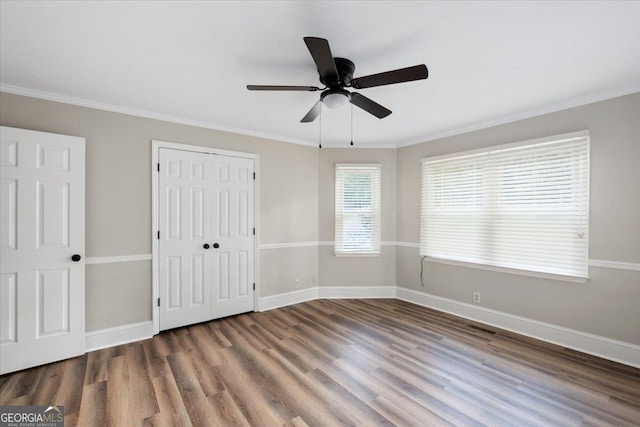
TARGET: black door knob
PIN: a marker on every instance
(215, 245)
(76, 258)
(206, 246)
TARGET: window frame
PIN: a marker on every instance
(494, 151)
(375, 171)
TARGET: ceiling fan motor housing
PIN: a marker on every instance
(345, 68)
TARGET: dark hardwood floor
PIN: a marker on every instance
(335, 362)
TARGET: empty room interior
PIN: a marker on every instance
(318, 213)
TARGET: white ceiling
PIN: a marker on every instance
(489, 62)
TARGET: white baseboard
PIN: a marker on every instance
(287, 298)
(618, 351)
(325, 292)
(109, 337)
(337, 292)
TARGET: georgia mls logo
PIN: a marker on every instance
(54, 408)
(31, 416)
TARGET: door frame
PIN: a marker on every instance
(156, 145)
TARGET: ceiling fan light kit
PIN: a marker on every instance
(335, 98)
(337, 73)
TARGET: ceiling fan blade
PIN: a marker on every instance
(369, 106)
(312, 114)
(321, 53)
(401, 75)
(268, 87)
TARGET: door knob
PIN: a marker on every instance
(76, 258)
(206, 246)
(215, 245)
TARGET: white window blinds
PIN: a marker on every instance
(357, 209)
(522, 206)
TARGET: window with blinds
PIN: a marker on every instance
(357, 209)
(521, 206)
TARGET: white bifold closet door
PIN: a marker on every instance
(206, 240)
(42, 195)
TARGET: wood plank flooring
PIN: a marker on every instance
(332, 363)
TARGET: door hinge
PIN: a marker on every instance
(254, 231)
(254, 286)
(158, 167)
(254, 175)
(158, 302)
(158, 234)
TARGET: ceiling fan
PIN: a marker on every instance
(337, 73)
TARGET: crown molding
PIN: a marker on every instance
(357, 146)
(552, 108)
(50, 96)
(564, 105)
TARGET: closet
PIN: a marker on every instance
(206, 236)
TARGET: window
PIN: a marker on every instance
(519, 206)
(357, 209)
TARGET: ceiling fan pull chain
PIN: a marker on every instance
(352, 124)
(320, 137)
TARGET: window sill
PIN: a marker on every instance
(516, 271)
(356, 254)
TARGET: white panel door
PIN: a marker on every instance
(185, 230)
(42, 196)
(232, 232)
(206, 243)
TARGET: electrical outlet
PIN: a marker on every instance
(296, 283)
(476, 298)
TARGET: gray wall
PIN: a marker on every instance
(297, 201)
(118, 200)
(609, 303)
(356, 271)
